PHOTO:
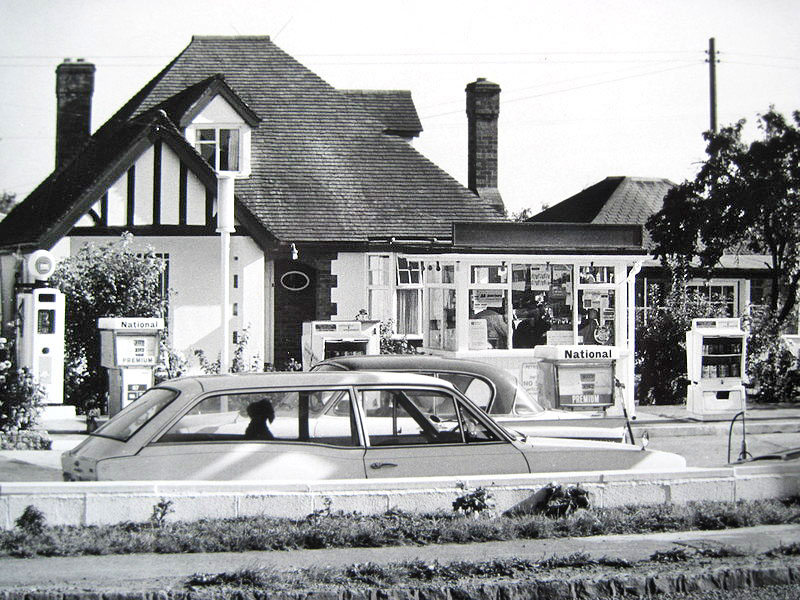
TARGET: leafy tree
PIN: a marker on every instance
(661, 343)
(7, 201)
(744, 199)
(103, 280)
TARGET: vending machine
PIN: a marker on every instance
(329, 339)
(715, 356)
(129, 349)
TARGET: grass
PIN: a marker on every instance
(325, 529)
(420, 573)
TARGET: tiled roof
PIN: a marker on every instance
(612, 201)
(322, 170)
(323, 167)
(394, 108)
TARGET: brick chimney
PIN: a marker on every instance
(483, 111)
(74, 87)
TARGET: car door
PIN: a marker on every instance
(420, 432)
(267, 435)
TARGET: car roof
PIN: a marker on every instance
(505, 383)
(417, 362)
(210, 383)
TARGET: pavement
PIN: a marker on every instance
(170, 571)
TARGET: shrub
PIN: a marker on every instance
(661, 345)
(239, 361)
(391, 344)
(773, 370)
(32, 521)
(473, 503)
(103, 280)
(21, 397)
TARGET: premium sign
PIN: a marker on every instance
(137, 350)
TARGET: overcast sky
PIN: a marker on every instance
(590, 88)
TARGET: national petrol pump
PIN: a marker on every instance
(40, 327)
(129, 349)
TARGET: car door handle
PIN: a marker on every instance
(380, 465)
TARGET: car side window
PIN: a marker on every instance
(474, 388)
(475, 431)
(402, 417)
(319, 416)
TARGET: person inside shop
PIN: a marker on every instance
(594, 332)
(496, 326)
(531, 330)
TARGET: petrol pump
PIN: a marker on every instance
(129, 349)
(40, 327)
(715, 356)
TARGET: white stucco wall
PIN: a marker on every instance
(103, 503)
(194, 281)
(350, 293)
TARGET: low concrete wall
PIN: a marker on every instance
(99, 503)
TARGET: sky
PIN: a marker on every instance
(590, 88)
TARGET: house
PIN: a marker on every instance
(739, 282)
(328, 190)
(335, 215)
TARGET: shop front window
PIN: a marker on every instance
(597, 310)
(442, 318)
(488, 321)
(541, 298)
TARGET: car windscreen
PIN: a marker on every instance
(123, 425)
(524, 404)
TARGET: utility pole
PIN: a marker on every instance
(712, 82)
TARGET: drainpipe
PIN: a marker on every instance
(225, 227)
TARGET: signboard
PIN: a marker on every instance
(482, 299)
(529, 378)
(136, 350)
(128, 324)
(585, 385)
(540, 278)
(478, 334)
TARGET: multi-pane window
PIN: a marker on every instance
(219, 146)
(441, 309)
(395, 292)
(722, 295)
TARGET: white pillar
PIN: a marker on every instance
(225, 225)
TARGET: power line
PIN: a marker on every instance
(505, 102)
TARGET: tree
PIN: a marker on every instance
(105, 280)
(744, 199)
(7, 201)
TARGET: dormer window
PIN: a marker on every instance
(220, 146)
(219, 126)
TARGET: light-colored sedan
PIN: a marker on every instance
(495, 391)
(310, 426)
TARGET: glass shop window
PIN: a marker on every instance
(541, 298)
(597, 315)
(442, 318)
